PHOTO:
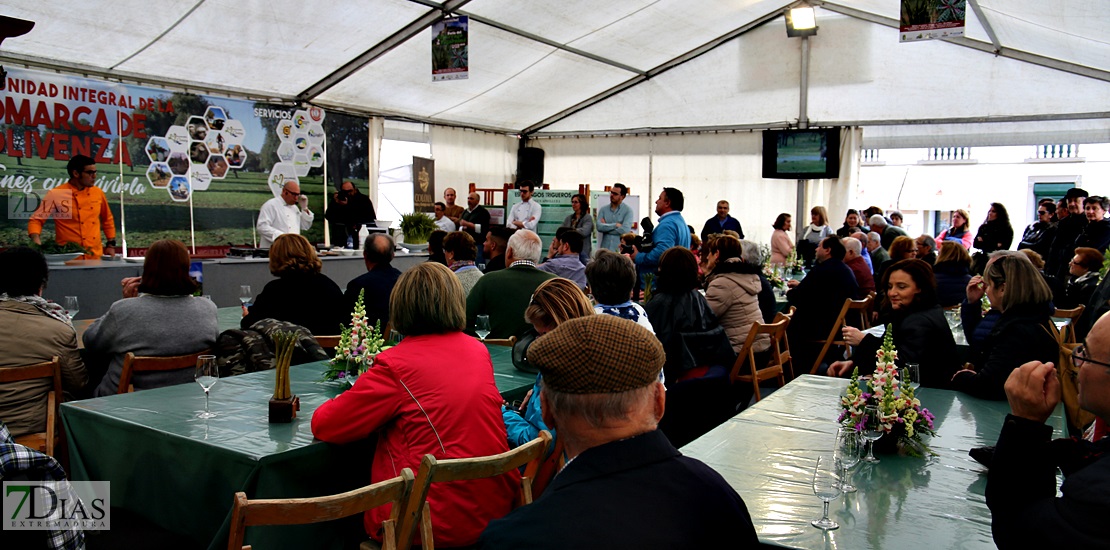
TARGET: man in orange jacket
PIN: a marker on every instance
(80, 211)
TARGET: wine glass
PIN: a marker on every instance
(245, 294)
(826, 485)
(872, 431)
(395, 337)
(848, 447)
(911, 374)
(207, 374)
(71, 307)
(481, 326)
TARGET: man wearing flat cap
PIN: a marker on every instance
(624, 485)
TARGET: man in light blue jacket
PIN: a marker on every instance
(669, 232)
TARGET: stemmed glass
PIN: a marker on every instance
(911, 374)
(872, 431)
(207, 374)
(826, 485)
(481, 326)
(245, 294)
(71, 307)
(848, 447)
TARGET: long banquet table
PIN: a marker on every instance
(181, 472)
(767, 453)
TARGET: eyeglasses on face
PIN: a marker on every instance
(1042, 212)
(1079, 356)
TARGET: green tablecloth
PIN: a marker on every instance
(767, 453)
(181, 472)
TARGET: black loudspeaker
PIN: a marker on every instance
(529, 165)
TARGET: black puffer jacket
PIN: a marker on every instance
(952, 279)
(1021, 335)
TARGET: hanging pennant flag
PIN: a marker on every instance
(928, 19)
(449, 49)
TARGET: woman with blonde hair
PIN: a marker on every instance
(301, 294)
(960, 231)
(420, 401)
(1022, 333)
(815, 232)
(555, 301)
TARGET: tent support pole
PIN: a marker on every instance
(803, 123)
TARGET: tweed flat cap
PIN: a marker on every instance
(597, 354)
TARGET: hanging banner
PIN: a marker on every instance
(929, 19)
(423, 184)
(220, 158)
(449, 49)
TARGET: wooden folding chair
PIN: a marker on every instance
(327, 342)
(459, 469)
(851, 307)
(507, 342)
(774, 367)
(136, 363)
(1066, 334)
(40, 441)
(300, 511)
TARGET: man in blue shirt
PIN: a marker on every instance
(669, 232)
(616, 220)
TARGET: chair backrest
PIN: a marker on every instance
(780, 345)
(862, 308)
(40, 441)
(137, 363)
(1066, 334)
(431, 471)
(327, 342)
(299, 511)
(758, 373)
(507, 342)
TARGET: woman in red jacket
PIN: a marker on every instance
(431, 394)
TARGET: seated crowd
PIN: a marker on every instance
(609, 365)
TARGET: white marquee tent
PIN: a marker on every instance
(656, 91)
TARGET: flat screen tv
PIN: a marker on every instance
(801, 154)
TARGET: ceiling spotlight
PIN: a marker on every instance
(800, 21)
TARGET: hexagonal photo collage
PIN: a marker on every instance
(300, 148)
(189, 157)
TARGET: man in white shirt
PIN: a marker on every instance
(288, 213)
(526, 214)
(443, 222)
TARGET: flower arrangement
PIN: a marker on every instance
(793, 261)
(357, 347)
(900, 412)
(774, 276)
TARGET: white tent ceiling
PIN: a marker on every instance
(593, 66)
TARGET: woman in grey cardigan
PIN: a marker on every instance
(582, 222)
(159, 316)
